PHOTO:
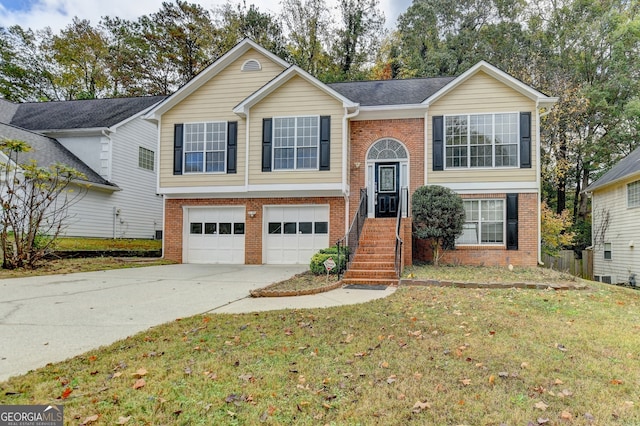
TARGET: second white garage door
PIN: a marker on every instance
(214, 235)
(293, 234)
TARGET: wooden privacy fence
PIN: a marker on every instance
(566, 261)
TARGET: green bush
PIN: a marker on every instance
(317, 261)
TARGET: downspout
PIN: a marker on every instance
(539, 177)
(345, 162)
(246, 160)
(426, 147)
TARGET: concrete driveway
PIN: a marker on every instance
(52, 318)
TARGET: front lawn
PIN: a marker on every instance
(425, 355)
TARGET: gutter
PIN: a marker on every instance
(346, 160)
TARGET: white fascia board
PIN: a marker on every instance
(491, 187)
(499, 75)
(243, 107)
(254, 191)
(96, 186)
(210, 72)
(142, 113)
(380, 112)
(618, 181)
(90, 131)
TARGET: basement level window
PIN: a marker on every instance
(607, 251)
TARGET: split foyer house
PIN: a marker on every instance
(615, 216)
(260, 162)
(111, 144)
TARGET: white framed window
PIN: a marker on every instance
(146, 158)
(205, 147)
(633, 194)
(481, 140)
(296, 143)
(607, 251)
(484, 222)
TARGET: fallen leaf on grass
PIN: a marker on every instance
(140, 383)
(541, 406)
(419, 406)
(141, 372)
(465, 382)
(123, 420)
(90, 419)
(616, 382)
(565, 415)
(66, 393)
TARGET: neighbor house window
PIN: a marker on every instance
(146, 159)
(295, 143)
(481, 140)
(484, 223)
(205, 147)
(633, 194)
(607, 251)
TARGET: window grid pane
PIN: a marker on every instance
(146, 159)
(481, 140)
(205, 146)
(484, 222)
(633, 194)
(296, 143)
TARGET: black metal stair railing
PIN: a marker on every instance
(348, 244)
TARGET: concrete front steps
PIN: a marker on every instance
(374, 260)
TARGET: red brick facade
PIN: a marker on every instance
(173, 232)
(526, 255)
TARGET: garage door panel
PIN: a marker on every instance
(215, 235)
(295, 233)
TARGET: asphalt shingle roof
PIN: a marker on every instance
(83, 114)
(629, 165)
(391, 92)
(48, 151)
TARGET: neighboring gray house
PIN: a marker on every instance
(615, 206)
(110, 142)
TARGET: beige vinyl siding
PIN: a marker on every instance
(295, 98)
(214, 101)
(622, 230)
(482, 94)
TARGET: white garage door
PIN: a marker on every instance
(214, 235)
(294, 234)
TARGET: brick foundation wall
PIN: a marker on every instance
(173, 231)
(526, 255)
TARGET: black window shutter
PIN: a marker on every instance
(232, 146)
(525, 140)
(325, 142)
(438, 142)
(512, 221)
(177, 149)
(266, 144)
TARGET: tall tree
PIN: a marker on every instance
(307, 25)
(80, 51)
(239, 22)
(358, 37)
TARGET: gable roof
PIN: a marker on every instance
(82, 114)
(281, 79)
(211, 71)
(48, 151)
(541, 99)
(627, 167)
(7, 110)
(391, 92)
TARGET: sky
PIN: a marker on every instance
(57, 14)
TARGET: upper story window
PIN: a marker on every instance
(146, 159)
(484, 222)
(481, 140)
(205, 147)
(633, 194)
(296, 142)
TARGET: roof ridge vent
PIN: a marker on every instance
(251, 65)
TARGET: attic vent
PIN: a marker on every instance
(251, 65)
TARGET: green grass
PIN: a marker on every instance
(425, 355)
(103, 244)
